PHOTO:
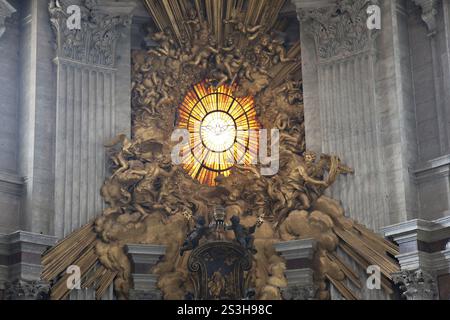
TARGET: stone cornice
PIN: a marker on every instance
(312, 4)
(6, 11)
(414, 255)
(31, 242)
(297, 249)
(11, 183)
(427, 231)
(432, 169)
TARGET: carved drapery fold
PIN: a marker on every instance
(339, 30)
(417, 284)
(6, 11)
(95, 42)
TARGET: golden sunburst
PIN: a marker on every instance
(223, 131)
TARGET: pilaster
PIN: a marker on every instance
(358, 104)
(92, 103)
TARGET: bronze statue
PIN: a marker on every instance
(165, 39)
(194, 237)
(244, 236)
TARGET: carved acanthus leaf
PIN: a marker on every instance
(26, 290)
(339, 30)
(95, 42)
(416, 284)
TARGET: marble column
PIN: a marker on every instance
(143, 259)
(424, 258)
(298, 255)
(92, 104)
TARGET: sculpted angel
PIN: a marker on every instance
(250, 32)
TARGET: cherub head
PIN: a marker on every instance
(257, 49)
(310, 157)
(265, 40)
(192, 13)
(230, 42)
(167, 31)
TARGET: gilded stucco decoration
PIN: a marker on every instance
(150, 200)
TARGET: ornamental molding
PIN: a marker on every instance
(11, 183)
(339, 30)
(95, 42)
(6, 11)
(416, 284)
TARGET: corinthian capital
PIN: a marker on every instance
(6, 11)
(416, 284)
(95, 41)
(429, 12)
(339, 28)
(26, 290)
